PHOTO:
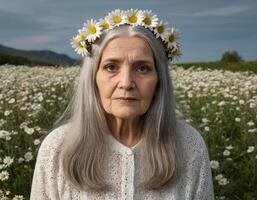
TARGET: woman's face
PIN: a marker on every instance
(126, 61)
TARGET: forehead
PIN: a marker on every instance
(128, 45)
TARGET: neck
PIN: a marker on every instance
(126, 131)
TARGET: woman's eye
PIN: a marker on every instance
(143, 68)
(110, 67)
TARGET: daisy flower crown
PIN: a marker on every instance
(92, 30)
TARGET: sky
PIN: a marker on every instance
(208, 27)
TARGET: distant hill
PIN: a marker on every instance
(18, 60)
(45, 56)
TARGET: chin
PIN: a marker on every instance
(126, 114)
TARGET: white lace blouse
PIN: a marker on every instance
(124, 172)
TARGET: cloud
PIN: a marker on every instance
(222, 12)
(11, 21)
(215, 12)
(31, 42)
(56, 23)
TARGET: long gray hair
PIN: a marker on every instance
(84, 147)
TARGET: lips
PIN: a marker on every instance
(126, 98)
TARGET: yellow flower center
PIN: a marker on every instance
(147, 21)
(80, 44)
(133, 19)
(171, 38)
(81, 37)
(92, 29)
(117, 19)
(105, 26)
(160, 29)
(80, 40)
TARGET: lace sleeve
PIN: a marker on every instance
(204, 182)
(196, 174)
(45, 181)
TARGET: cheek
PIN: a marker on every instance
(105, 89)
(148, 89)
(151, 87)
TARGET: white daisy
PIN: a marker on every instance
(150, 20)
(4, 175)
(105, 24)
(173, 46)
(175, 51)
(161, 30)
(92, 30)
(117, 17)
(250, 149)
(18, 197)
(215, 164)
(8, 161)
(172, 37)
(134, 17)
(28, 156)
(80, 45)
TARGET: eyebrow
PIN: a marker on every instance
(136, 62)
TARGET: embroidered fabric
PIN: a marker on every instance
(124, 171)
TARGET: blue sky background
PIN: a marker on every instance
(208, 27)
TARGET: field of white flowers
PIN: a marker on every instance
(222, 105)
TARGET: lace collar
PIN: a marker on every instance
(118, 146)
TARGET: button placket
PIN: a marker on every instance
(128, 175)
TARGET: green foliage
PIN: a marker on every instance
(250, 66)
(231, 56)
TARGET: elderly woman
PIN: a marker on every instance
(122, 139)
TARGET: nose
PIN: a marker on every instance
(126, 80)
